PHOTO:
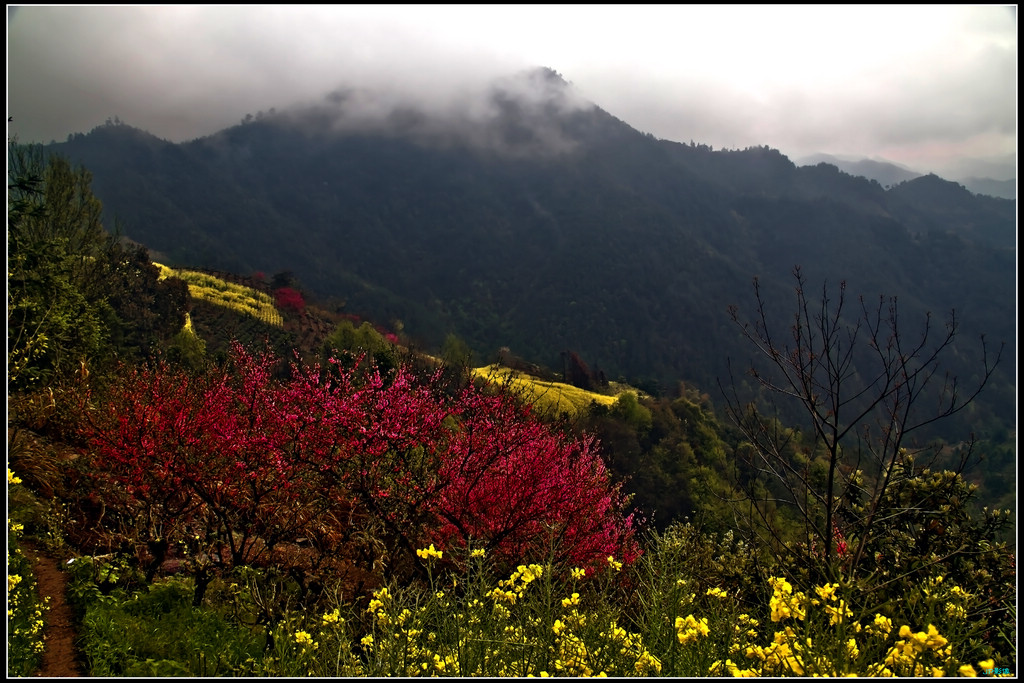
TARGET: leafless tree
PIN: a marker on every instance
(863, 386)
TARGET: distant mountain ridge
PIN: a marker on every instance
(887, 174)
(543, 223)
(1005, 189)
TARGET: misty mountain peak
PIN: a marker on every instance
(522, 114)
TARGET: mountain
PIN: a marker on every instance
(885, 173)
(1005, 189)
(537, 221)
(888, 174)
(929, 200)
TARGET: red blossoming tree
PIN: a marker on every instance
(289, 299)
(235, 463)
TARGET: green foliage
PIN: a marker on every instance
(156, 631)
(55, 242)
(187, 348)
(930, 535)
(674, 456)
(76, 297)
(364, 342)
(628, 408)
(149, 310)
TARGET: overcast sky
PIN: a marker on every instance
(930, 87)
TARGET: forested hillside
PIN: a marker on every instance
(239, 479)
(554, 226)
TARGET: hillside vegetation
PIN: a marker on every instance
(320, 498)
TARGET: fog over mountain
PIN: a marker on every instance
(513, 115)
(932, 88)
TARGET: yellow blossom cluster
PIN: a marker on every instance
(836, 612)
(922, 653)
(512, 588)
(430, 553)
(784, 603)
(24, 610)
(690, 629)
(905, 656)
(513, 630)
(881, 626)
(305, 640)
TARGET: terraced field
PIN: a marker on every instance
(552, 398)
(247, 300)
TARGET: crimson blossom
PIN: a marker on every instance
(244, 459)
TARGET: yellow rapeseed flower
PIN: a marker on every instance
(967, 670)
(935, 641)
(827, 592)
(836, 614)
(958, 592)
(499, 595)
(427, 553)
(578, 573)
(647, 662)
(881, 626)
(528, 574)
(717, 592)
(689, 629)
(11, 478)
(614, 564)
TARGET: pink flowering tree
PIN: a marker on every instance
(522, 489)
(243, 460)
(289, 299)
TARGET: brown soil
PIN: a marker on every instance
(60, 658)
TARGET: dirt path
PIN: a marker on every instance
(60, 658)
